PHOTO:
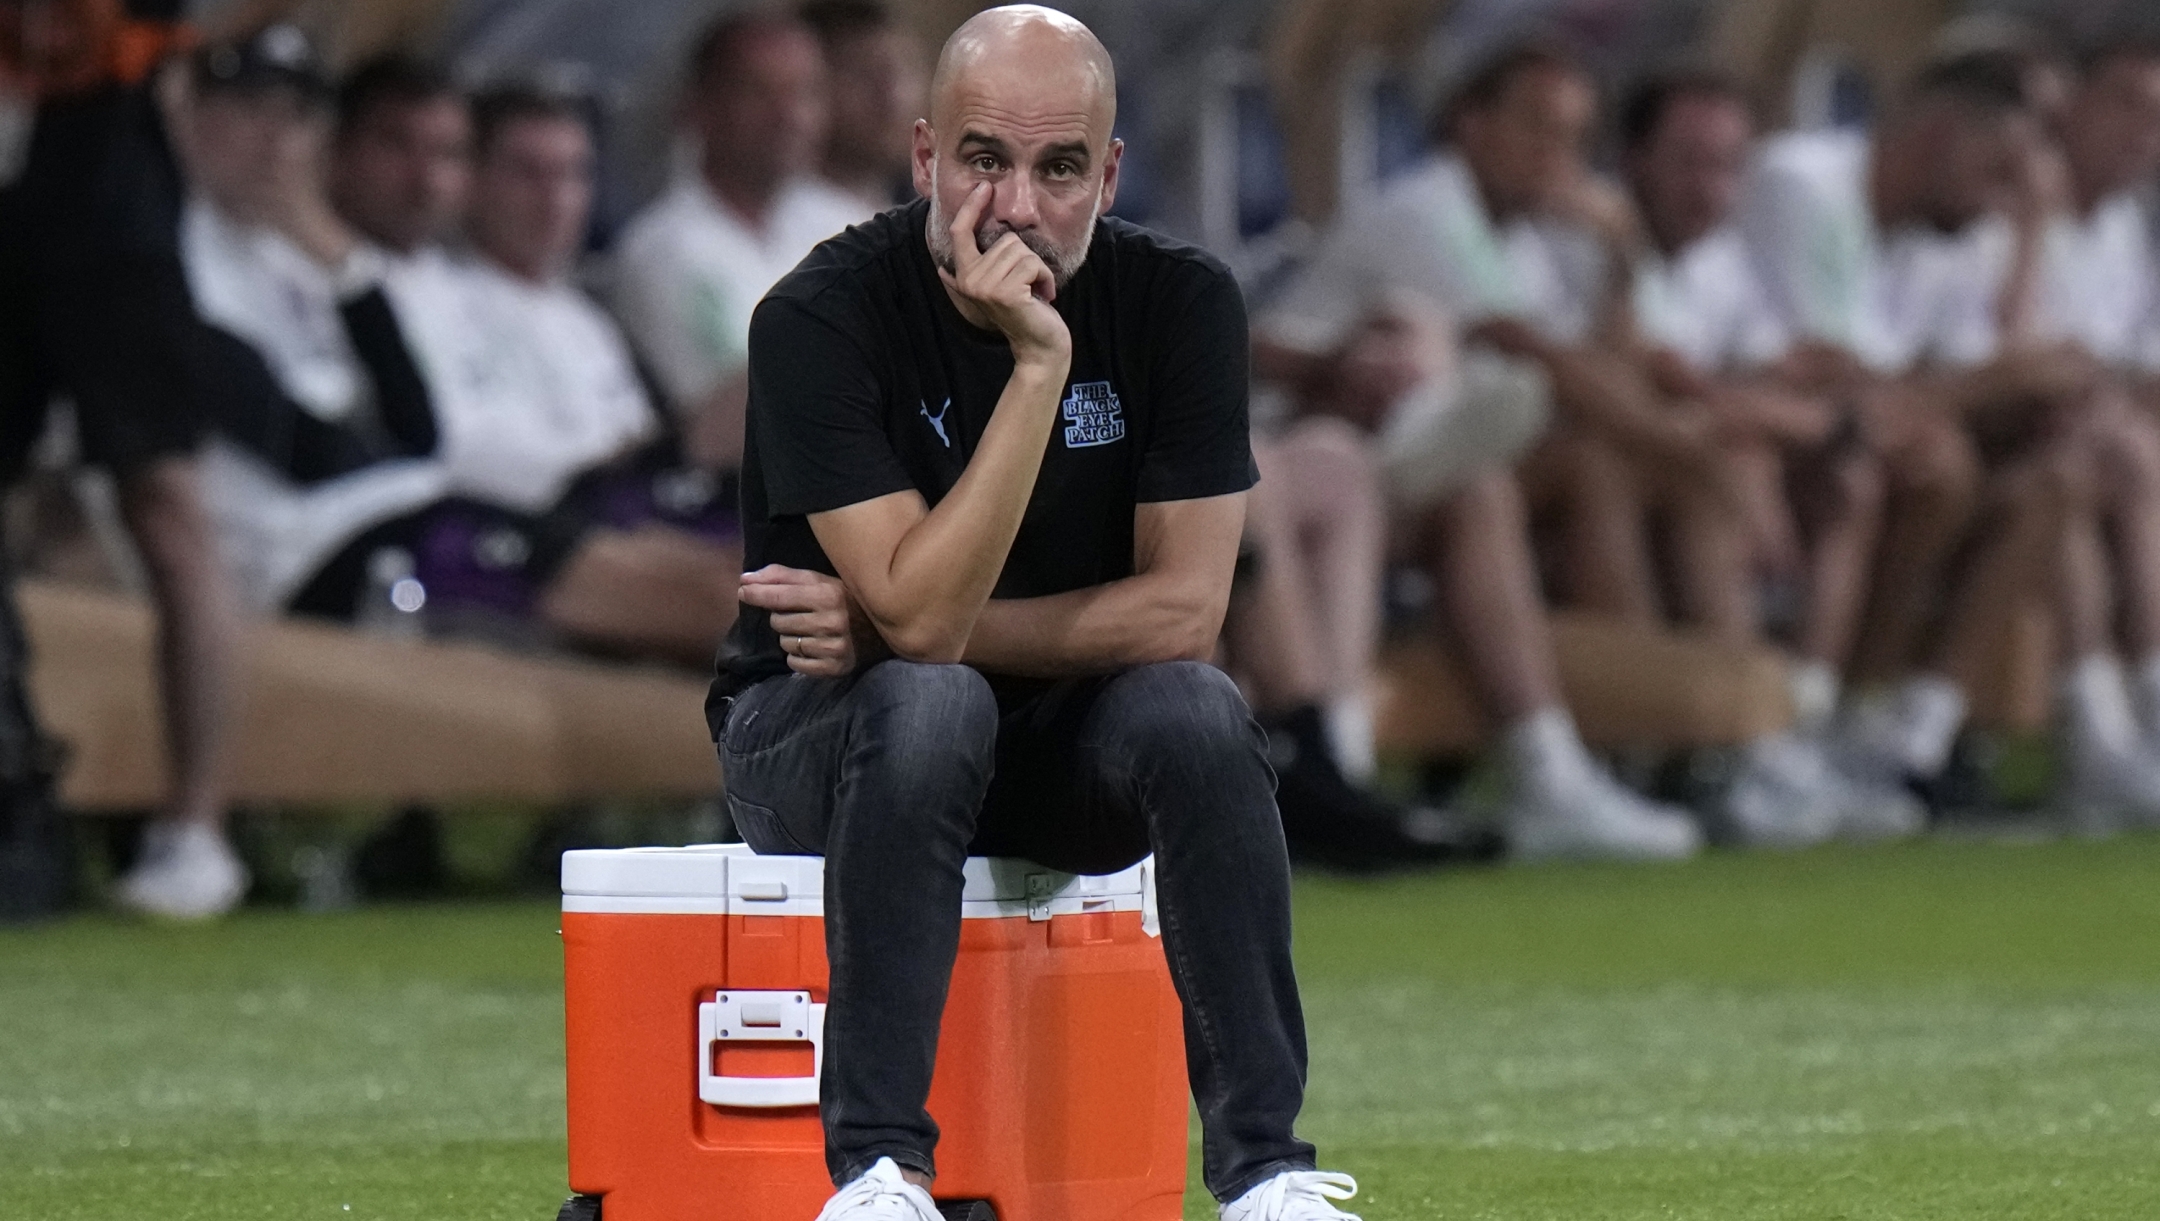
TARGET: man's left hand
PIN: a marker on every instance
(822, 631)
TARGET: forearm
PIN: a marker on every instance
(926, 599)
(1138, 621)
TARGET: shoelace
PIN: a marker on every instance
(873, 1197)
(1304, 1195)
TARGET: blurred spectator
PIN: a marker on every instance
(326, 430)
(400, 168)
(740, 215)
(1875, 254)
(1714, 338)
(876, 88)
(1301, 633)
(1490, 236)
(94, 306)
(546, 424)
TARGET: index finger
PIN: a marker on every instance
(962, 229)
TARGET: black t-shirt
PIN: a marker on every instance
(865, 380)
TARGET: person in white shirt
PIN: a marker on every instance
(2084, 272)
(743, 210)
(1876, 257)
(549, 524)
(1490, 239)
(1714, 336)
(328, 448)
(548, 418)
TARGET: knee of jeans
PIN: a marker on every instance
(1179, 710)
(928, 716)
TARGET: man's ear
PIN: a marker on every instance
(1108, 199)
(923, 160)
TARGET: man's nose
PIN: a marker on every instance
(1016, 203)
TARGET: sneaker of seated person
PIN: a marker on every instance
(187, 872)
(1784, 794)
(1295, 1195)
(1594, 817)
(1329, 821)
(1565, 805)
(881, 1194)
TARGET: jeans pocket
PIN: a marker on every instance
(762, 829)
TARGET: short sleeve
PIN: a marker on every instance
(816, 414)
(1813, 261)
(676, 318)
(1201, 440)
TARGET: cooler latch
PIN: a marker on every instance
(760, 1017)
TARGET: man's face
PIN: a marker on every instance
(1979, 164)
(2112, 127)
(1042, 143)
(532, 194)
(1526, 147)
(876, 85)
(1686, 176)
(762, 119)
(244, 145)
(402, 173)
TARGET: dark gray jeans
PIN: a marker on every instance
(898, 773)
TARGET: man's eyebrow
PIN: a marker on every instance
(1072, 150)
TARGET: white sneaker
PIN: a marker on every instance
(1785, 795)
(2109, 788)
(880, 1195)
(187, 872)
(1589, 815)
(1295, 1195)
(1872, 809)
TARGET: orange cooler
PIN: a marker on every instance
(695, 985)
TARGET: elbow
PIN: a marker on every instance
(1190, 635)
(929, 644)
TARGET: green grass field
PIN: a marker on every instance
(1946, 1030)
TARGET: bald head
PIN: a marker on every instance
(1023, 101)
(1031, 50)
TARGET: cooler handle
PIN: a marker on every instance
(760, 1017)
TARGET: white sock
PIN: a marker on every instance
(2096, 698)
(1813, 687)
(1544, 750)
(1349, 725)
(1914, 725)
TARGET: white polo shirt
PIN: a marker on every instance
(1895, 300)
(2100, 284)
(532, 384)
(274, 534)
(689, 270)
(1428, 232)
(1707, 304)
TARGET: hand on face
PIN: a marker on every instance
(1008, 284)
(822, 631)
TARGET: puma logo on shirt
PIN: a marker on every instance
(938, 421)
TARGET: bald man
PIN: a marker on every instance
(1015, 430)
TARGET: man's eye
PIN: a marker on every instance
(1061, 169)
(985, 164)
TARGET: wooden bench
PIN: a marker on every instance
(1628, 689)
(330, 715)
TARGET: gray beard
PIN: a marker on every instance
(1063, 264)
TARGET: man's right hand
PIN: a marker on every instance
(1010, 286)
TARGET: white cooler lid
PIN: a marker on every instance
(730, 878)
